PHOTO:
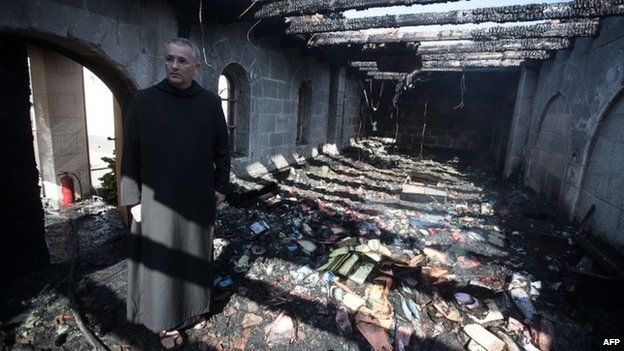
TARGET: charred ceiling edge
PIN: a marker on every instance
(517, 13)
(497, 46)
(309, 7)
(542, 30)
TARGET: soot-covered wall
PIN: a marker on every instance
(466, 111)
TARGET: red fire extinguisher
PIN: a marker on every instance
(67, 187)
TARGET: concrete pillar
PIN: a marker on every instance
(58, 96)
(21, 216)
(516, 146)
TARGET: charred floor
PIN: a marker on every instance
(488, 253)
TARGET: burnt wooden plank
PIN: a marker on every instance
(363, 64)
(497, 46)
(386, 75)
(530, 54)
(309, 7)
(472, 63)
(541, 30)
(516, 13)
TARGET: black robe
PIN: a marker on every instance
(175, 155)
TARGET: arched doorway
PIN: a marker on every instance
(21, 219)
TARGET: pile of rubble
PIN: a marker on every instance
(370, 249)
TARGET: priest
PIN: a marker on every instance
(174, 172)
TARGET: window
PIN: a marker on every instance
(233, 88)
(228, 104)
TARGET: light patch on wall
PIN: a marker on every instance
(100, 124)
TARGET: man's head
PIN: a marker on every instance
(181, 62)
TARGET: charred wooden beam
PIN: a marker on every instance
(386, 75)
(471, 69)
(309, 7)
(505, 55)
(407, 47)
(497, 46)
(471, 63)
(364, 64)
(517, 13)
(375, 70)
(542, 30)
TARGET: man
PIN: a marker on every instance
(175, 170)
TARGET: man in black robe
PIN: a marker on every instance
(175, 170)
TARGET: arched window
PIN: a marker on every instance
(228, 104)
(233, 89)
(304, 102)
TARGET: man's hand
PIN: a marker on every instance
(136, 212)
(219, 198)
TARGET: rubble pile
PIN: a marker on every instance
(335, 254)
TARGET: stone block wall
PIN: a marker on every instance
(516, 140)
(123, 42)
(352, 105)
(573, 139)
(344, 108)
(275, 75)
(487, 98)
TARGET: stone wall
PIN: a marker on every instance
(488, 100)
(275, 75)
(344, 107)
(574, 130)
(122, 42)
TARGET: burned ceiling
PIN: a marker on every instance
(397, 46)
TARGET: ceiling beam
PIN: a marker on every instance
(505, 55)
(309, 7)
(542, 30)
(517, 13)
(386, 75)
(497, 46)
(471, 63)
(364, 64)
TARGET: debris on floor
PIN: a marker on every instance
(335, 254)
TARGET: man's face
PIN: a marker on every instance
(180, 65)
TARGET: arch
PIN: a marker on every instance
(116, 77)
(602, 172)
(304, 112)
(553, 102)
(604, 114)
(234, 90)
(549, 157)
(88, 54)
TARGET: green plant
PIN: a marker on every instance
(109, 183)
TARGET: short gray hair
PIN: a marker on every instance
(189, 43)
